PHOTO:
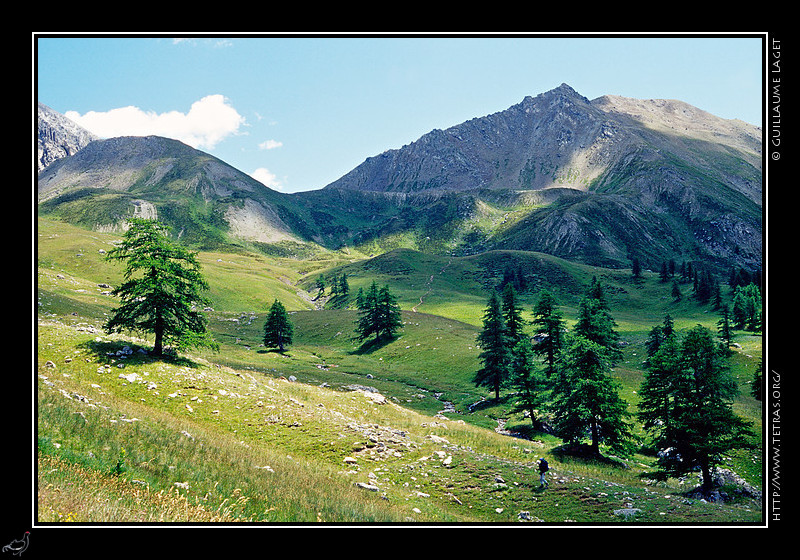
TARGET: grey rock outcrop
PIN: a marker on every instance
(58, 136)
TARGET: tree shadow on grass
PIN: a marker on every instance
(119, 351)
(584, 453)
(277, 351)
(373, 345)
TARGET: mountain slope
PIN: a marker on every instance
(664, 179)
(198, 195)
(602, 182)
(558, 138)
(247, 443)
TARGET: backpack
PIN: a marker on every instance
(543, 466)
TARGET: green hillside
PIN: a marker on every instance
(333, 430)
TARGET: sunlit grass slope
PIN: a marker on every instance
(332, 430)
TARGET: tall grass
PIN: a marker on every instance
(176, 467)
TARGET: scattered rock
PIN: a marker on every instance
(377, 398)
(627, 512)
(130, 378)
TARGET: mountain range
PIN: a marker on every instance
(601, 181)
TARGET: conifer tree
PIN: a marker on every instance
(595, 322)
(493, 340)
(754, 307)
(344, 285)
(704, 286)
(368, 322)
(512, 315)
(340, 292)
(586, 400)
(550, 323)
(747, 307)
(379, 314)
(162, 291)
(664, 371)
(528, 380)
(724, 327)
(320, 285)
(278, 329)
(636, 268)
(757, 388)
(716, 296)
(690, 409)
(658, 334)
(597, 292)
(389, 318)
(676, 291)
(664, 274)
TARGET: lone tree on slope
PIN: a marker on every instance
(162, 289)
(278, 329)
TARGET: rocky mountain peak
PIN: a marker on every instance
(529, 146)
(58, 136)
(564, 91)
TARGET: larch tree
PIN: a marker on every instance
(493, 340)
(656, 394)
(595, 322)
(278, 329)
(162, 291)
(529, 381)
(586, 400)
(687, 406)
(367, 323)
(512, 313)
(550, 323)
(389, 317)
(379, 313)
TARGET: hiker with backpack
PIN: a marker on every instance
(543, 468)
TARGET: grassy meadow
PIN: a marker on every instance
(331, 430)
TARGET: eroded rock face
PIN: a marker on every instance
(560, 139)
(58, 137)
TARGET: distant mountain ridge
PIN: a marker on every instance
(556, 139)
(602, 182)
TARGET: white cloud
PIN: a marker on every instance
(209, 121)
(267, 178)
(270, 145)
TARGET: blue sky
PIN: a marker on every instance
(299, 112)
